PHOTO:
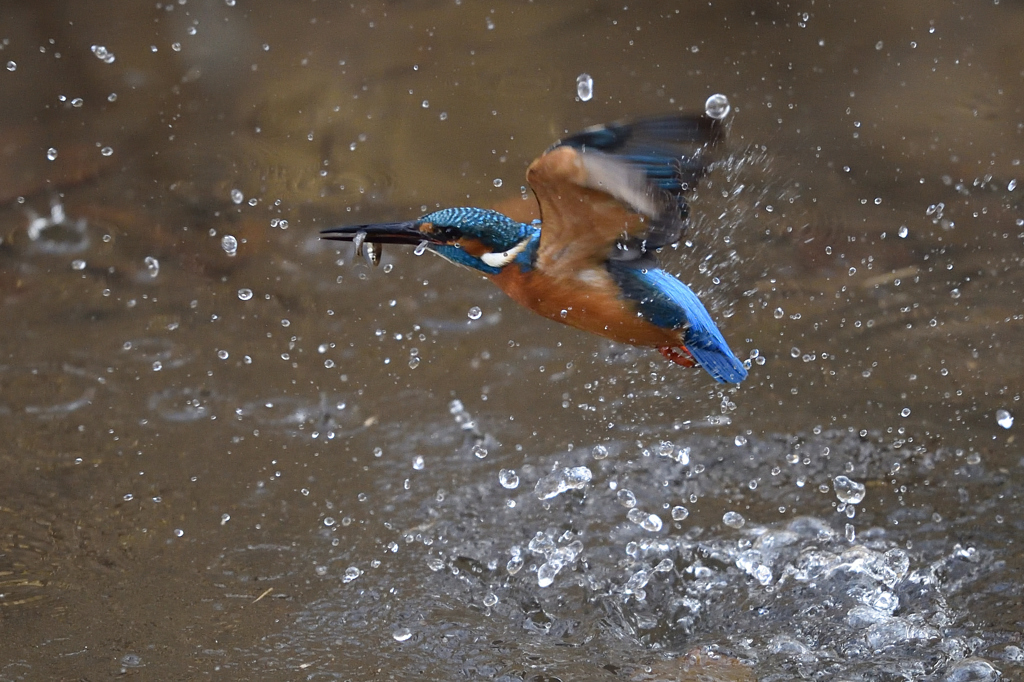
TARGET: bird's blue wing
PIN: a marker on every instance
(666, 302)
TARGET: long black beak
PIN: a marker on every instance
(407, 232)
(374, 235)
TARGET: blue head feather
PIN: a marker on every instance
(497, 232)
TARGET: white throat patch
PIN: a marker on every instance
(500, 259)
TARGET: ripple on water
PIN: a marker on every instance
(46, 391)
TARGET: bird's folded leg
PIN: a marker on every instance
(684, 358)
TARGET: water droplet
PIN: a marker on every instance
(224, 518)
(425, 104)
(479, 451)
(905, 412)
(78, 264)
(497, 182)
(237, 196)
(649, 522)
(51, 153)
(717, 106)
(418, 463)
(848, 491)
(157, 365)
(420, 248)
(779, 312)
(679, 513)
(107, 151)
(12, 66)
(414, 362)
(245, 294)
(1011, 185)
(490, 23)
(223, 354)
(402, 634)
(599, 452)
(153, 266)
(351, 573)
(329, 521)
(178, 532)
(626, 498)
(475, 313)
(584, 87)
(103, 54)
(229, 244)
(740, 440)
(733, 519)
(229, 3)
(77, 102)
(508, 478)
(1004, 419)
(903, 232)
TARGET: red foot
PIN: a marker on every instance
(684, 358)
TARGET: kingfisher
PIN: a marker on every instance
(607, 199)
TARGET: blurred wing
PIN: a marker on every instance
(620, 188)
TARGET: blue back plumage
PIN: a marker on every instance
(666, 302)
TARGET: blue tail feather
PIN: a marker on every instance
(666, 302)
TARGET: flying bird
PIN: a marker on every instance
(609, 197)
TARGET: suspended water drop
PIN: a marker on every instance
(12, 66)
(508, 478)
(848, 491)
(905, 412)
(626, 498)
(649, 522)
(417, 463)
(51, 153)
(224, 518)
(78, 264)
(717, 106)
(497, 182)
(599, 452)
(733, 519)
(153, 266)
(679, 513)
(237, 196)
(223, 354)
(107, 151)
(103, 54)
(903, 232)
(479, 451)
(1011, 185)
(1004, 418)
(402, 634)
(351, 573)
(475, 313)
(779, 312)
(229, 244)
(245, 294)
(584, 87)
(420, 248)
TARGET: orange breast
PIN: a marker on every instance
(588, 301)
